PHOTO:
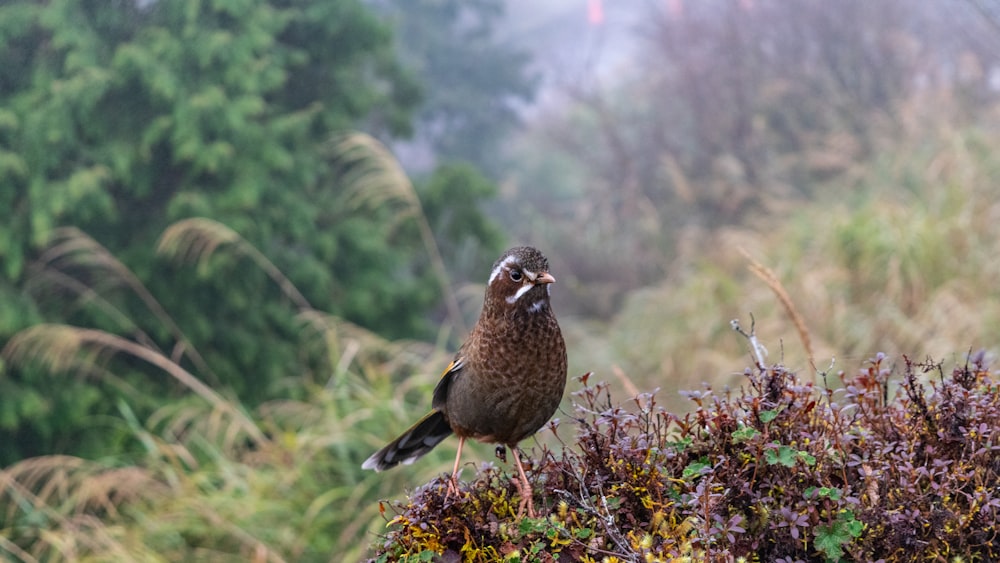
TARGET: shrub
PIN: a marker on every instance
(894, 465)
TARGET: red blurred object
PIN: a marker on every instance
(595, 12)
(675, 8)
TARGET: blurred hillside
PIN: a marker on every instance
(823, 149)
(220, 290)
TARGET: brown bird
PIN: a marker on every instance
(506, 380)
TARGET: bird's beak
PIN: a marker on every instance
(544, 278)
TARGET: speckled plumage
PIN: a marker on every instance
(508, 378)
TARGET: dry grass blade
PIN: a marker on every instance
(71, 246)
(108, 489)
(71, 485)
(43, 280)
(86, 537)
(61, 347)
(73, 495)
(375, 179)
(340, 347)
(196, 239)
(13, 549)
(42, 483)
(373, 176)
(348, 343)
(772, 281)
(631, 390)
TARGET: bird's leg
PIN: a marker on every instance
(453, 482)
(524, 487)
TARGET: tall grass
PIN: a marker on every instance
(217, 481)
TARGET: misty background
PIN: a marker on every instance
(240, 239)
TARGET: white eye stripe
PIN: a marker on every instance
(523, 289)
(501, 266)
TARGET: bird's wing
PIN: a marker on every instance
(441, 391)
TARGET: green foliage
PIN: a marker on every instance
(40, 423)
(829, 474)
(768, 416)
(696, 468)
(119, 120)
(451, 199)
(208, 476)
(134, 115)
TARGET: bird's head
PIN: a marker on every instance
(519, 282)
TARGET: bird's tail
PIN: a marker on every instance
(412, 444)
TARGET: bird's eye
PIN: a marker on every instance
(515, 275)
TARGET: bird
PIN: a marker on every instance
(506, 380)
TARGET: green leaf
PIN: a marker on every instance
(532, 525)
(832, 493)
(782, 455)
(788, 456)
(831, 538)
(696, 469)
(768, 415)
(680, 445)
(806, 458)
(744, 433)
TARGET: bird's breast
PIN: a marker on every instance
(511, 384)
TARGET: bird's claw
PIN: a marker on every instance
(524, 490)
(452, 488)
(526, 502)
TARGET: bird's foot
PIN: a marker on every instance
(526, 502)
(524, 491)
(523, 487)
(452, 487)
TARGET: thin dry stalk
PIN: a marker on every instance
(13, 549)
(60, 346)
(631, 389)
(42, 277)
(73, 246)
(196, 239)
(64, 489)
(375, 178)
(771, 280)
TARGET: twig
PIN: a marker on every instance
(771, 280)
(759, 351)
